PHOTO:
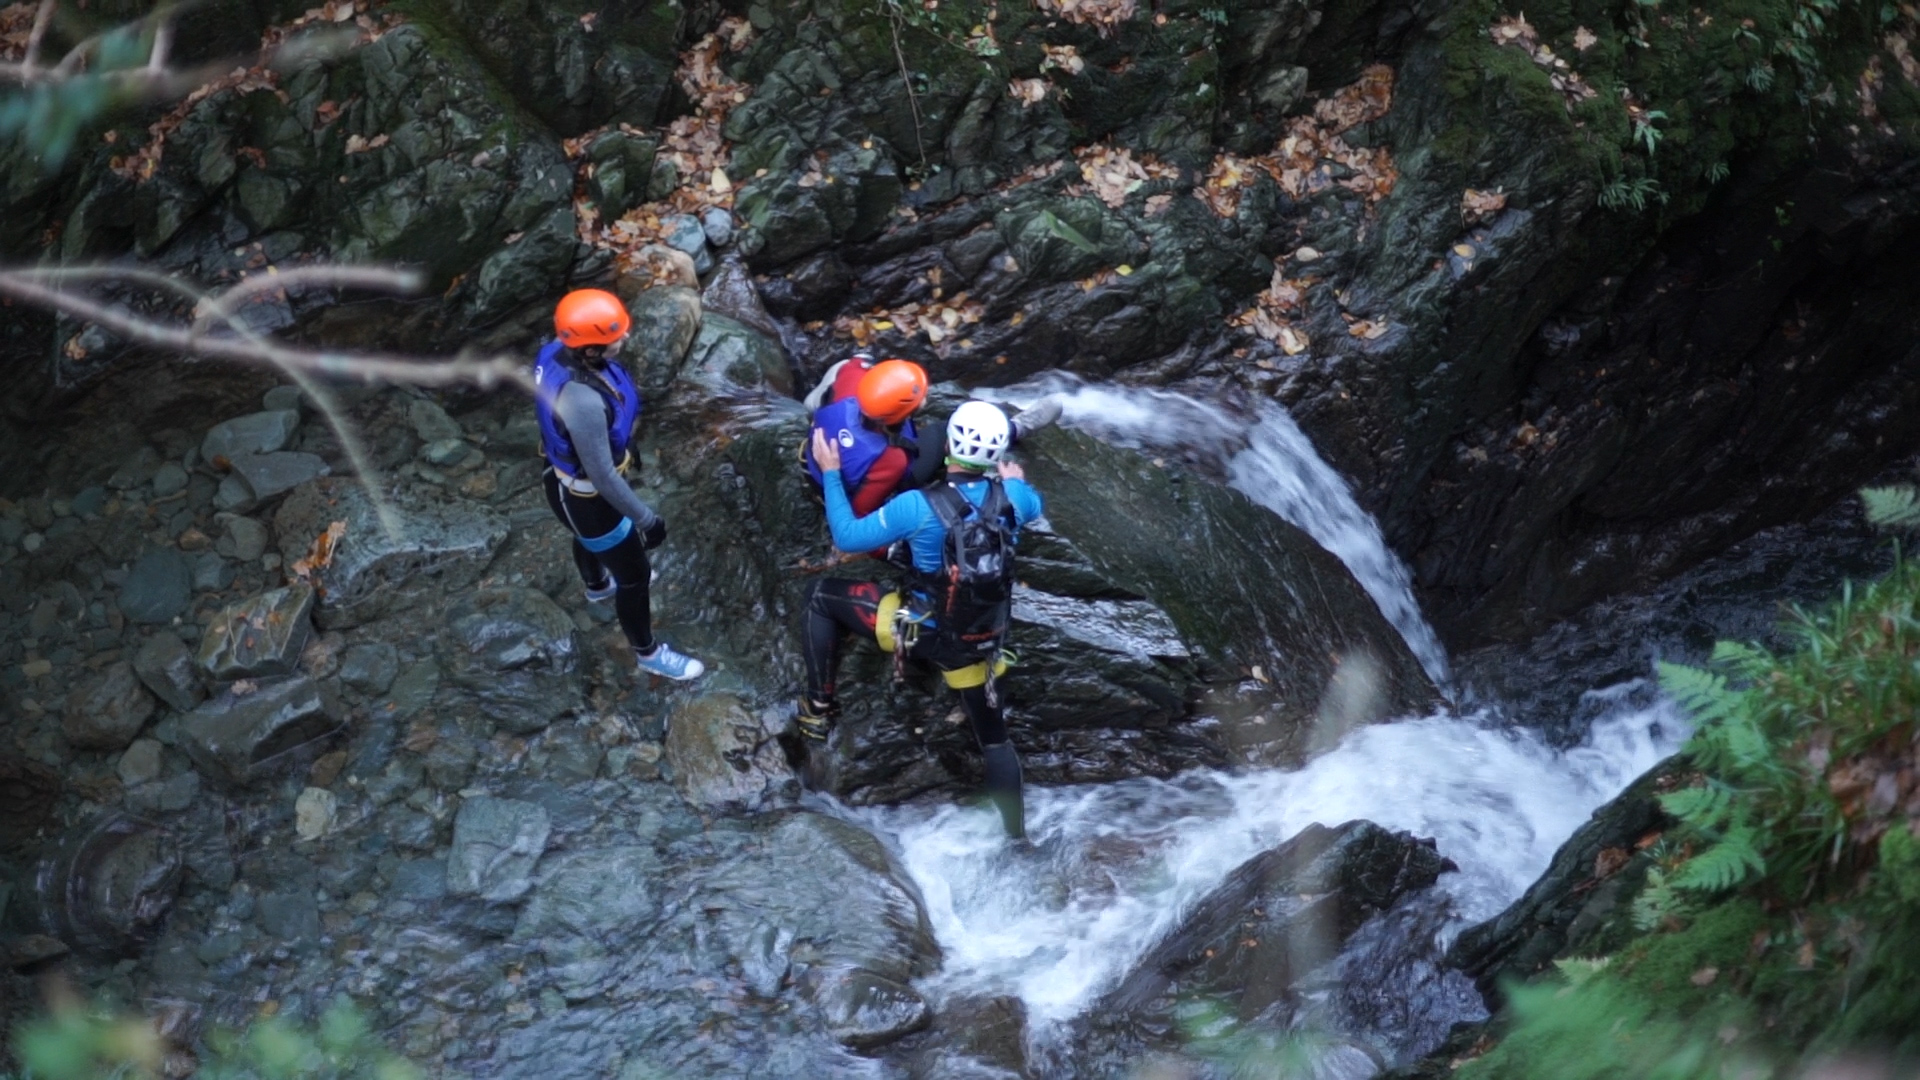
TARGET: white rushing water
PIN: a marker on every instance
(1115, 866)
(1265, 456)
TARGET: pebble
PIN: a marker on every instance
(140, 763)
(169, 479)
(90, 502)
(248, 537)
(313, 813)
(282, 399)
(32, 542)
(192, 539)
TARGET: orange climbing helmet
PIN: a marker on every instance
(892, 390)
(590, 317)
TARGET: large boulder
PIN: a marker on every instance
(496, 843)
(260, 636)
(107, 709)
(108, 886)
(511, 651)
(438, 546)
(250, 731)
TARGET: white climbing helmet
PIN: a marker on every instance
(977, 434)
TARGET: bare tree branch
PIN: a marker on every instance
(41, 19)
(29, 286)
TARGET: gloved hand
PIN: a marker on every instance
(1040, 414)
(655, 534)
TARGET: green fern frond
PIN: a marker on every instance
(1892, 507)
(1578, 969)
(1730, 861)
(1657, 902)
(1701, 807)
(1701, 693)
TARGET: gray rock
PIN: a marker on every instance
(721, 754)
(281, 399)
(108, 888)
(421, 879)
(140, 763)
(107, 709)
(583, 906)
(718, 225)
(414, 689)
(240, 738)
(166, 666)
(442, 545)
(268, 475)
(159, 587)
(496, 843)
(169, 796)
(864, 1010)
(245, 538)
(431, 422)
(1277, 916)
(137, 470)
(233, 494)
(260, 636)
(686, 233)
(512, 651)
(370, 667)
(257, 433)
(90, 501)
(666, 320)
(446, 453)
(728, 356)
(169, 479)
(291, 915)
(211, 573)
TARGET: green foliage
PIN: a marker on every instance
(1602, 1028)
(48, 116)
(1892, 507)
(1658, 902)
(88, 1044)
(1622, 193)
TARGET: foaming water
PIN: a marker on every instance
(1115, 866)
(1266, 457)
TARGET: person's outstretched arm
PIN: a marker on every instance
(584, 415)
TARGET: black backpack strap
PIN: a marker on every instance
(948, 505)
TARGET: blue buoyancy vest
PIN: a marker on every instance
(860, 446)
(623, 403)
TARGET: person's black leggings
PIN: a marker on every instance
(837, 605)
(625, 562)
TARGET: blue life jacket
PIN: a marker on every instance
(860, 446)
(623, 404)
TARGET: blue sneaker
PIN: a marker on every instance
(666, 662)
(601, 593)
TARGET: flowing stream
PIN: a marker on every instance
(1113, 867)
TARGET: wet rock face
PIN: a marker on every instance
(107, 709)
(723, 752)
(442, 544)
(246, 733)
(1275, 919)
(261, 636)
(512, 652)
(109, 886)
(496, 843)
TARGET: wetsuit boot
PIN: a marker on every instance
(1003, 787)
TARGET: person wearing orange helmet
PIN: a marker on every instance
(587, 406)
(868, 413)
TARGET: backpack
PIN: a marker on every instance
(973, 588)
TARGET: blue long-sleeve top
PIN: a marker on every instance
(908, 516)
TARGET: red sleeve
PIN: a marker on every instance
(847, 383)
(883, 476)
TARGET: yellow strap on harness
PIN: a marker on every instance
(973, 675)
(883, 622)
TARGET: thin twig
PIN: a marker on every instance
(364, 367)
(339, 277)
(913, 99)
(41, 19)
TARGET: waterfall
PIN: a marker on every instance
(1265, 456)
(1115, 866)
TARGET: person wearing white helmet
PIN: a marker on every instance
(954, 610)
